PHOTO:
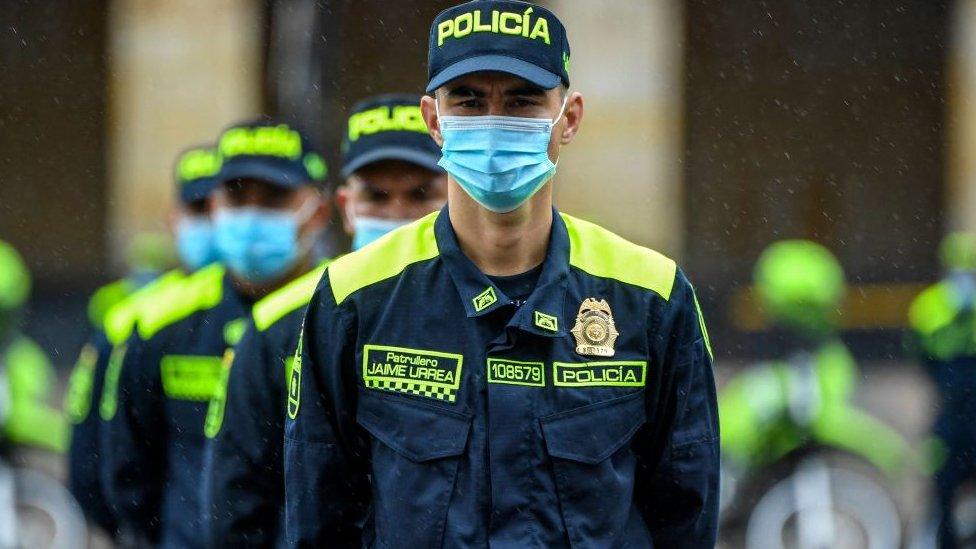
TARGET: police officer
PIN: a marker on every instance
(28, 377)
(190, 223)
(267, 212)
(498, 372)
(391, 178)
(943, 322)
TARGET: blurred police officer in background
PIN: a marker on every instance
(189, 221)
(267, 212)
(498, 372)
(391, 178)
(943, 322)
(27, 378)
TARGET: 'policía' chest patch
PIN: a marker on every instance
(430, 374)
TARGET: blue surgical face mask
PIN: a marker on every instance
(367, 229)
(259, 245)
(195, 241)
(500, 161)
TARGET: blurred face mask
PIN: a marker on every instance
(500, 161)
(366, 229)
(195, 241)
(259, 244)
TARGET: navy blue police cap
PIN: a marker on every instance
(196, 173)
(388, 127)
(507, 36)
(271, 151)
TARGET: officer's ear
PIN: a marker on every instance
(573, 115)
(428, 109)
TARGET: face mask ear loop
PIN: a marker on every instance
(562, 111)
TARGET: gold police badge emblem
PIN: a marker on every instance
(595, 331)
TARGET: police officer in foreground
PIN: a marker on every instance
(943, 322)
(391, 178)
(190, 223)
(497, 372)
(268, 211)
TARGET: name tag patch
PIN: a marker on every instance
(191, 377)
(430, 374)
(516, 372)
(599, 374)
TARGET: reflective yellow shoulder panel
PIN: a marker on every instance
(286, 299)
(601, 253)
(121, 319)
(199, 291)
(385, 258)
(932, 309)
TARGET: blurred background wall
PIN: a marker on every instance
(713, 127)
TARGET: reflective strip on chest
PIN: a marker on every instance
(599, 374)
(187, 377)
(431, 374)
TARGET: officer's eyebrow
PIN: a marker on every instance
(465, 91)
(526, 91)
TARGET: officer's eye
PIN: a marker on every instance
(521, 103)
(376, 195)
(420, 193)
(470, 104)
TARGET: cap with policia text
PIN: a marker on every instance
(196, 173)
(388, 127)
(513, 37)
(270, 151)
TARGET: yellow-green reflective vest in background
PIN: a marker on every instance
(30, 420)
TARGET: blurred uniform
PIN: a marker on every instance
(26, 419)
(243, 474)
(114, 322)
(153, 443)
(943, 321)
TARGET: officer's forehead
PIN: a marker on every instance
(486, 82)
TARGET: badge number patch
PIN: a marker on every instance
(430, 374)
(600, 374)
(516, 372)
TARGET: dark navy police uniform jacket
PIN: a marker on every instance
(152, 446)
(243, 473)
(427, 410)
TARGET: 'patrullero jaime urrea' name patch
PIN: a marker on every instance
(430, 374)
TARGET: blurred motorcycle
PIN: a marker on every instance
(808, 470)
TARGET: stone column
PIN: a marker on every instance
(179, 71)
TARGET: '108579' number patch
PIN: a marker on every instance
(516, 372)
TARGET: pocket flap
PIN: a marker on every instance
(594, 432)
(417, 431)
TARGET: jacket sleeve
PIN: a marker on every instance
(243, 477)
(326, 487)
(133, 438)
(84, 393)
(678, 481)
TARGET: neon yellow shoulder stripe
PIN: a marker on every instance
(601, 253)
(286, 299)
(932, 309)
(385, 258)
(199, 291)
(121, 319)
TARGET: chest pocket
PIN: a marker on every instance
(415, 454)
(594, 468)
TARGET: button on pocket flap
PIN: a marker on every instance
(414, 430)
(594, 432)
